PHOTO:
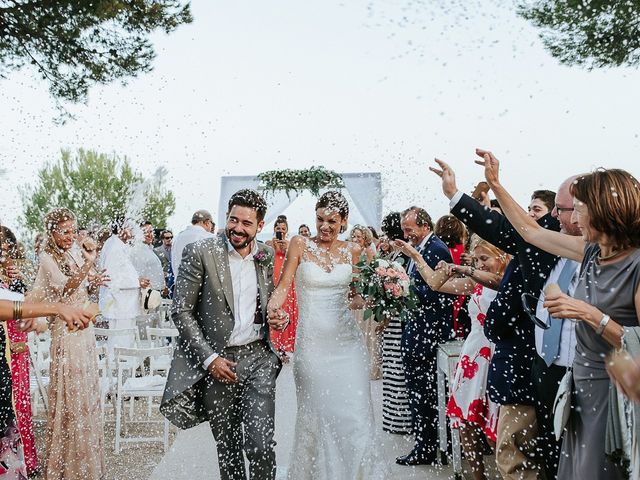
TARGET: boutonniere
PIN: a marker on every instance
(263, 258)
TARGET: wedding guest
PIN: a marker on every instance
(74, 434)
(120, 298)
(202, 226)
(283, 340)
(11, 273)
(164, 254)
(304, 231)
(376, 237)
(12, 465)
(146, 262)
(469, 407)
(396, 415)
(454, 234)
(606, 300)
(361, 235)
(509, 327)
(429, 326)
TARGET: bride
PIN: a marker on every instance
(335, 436)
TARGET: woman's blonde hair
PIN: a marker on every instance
(51, 221)
(366, 233)
(502, 257)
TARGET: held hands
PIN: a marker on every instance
(278, 319)
(223, 370)
(144, 282)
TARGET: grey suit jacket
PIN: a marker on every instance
(203, 312)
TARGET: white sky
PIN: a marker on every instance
(354, 85)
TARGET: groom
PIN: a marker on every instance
(224, 368)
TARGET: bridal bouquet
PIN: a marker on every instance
(386, 289)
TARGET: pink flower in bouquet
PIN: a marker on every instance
(391, 273)
(388, 287)
(381, 271)
(396, 290)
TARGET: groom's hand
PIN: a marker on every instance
(222, 370)
(278, 319)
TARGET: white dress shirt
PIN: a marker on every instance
(568, 335)
(189, 235)
(419, 248)
(245, 295)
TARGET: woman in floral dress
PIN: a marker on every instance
(469, 406)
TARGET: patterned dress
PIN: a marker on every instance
(74, 435)
(12, 466)
(469, 401)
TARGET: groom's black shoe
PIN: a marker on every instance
(414, 459)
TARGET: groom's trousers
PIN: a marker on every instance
(241, 414)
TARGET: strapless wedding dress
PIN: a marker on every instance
(335, 435)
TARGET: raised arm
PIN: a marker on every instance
(560, 244)
(292, 259)
(434, 278)
(480, 219)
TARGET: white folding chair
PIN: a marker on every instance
(161, 337)
(107, 339)
(146, 385)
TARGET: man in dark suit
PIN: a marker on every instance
(431, 325)
(511, 330)
(556, 345)
(224, 367)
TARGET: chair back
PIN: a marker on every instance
(158, 336)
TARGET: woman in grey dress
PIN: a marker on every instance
(605, 208)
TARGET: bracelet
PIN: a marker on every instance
(17, 309)
(422, 267)
(603, 324)
(472, 271)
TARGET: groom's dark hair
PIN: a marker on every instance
(251, 199)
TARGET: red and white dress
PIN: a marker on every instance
(469, 401)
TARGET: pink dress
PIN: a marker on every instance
(22, 396)
(469, 401)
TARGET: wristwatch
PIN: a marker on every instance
(603, 324)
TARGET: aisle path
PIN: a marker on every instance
(193, 453)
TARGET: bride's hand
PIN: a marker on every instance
(278, 319)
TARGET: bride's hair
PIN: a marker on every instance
(335, 201)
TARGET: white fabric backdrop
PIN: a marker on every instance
(365, 189)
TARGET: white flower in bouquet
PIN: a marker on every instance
(383, 263)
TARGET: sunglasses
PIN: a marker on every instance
(531, 312)
(167, 238)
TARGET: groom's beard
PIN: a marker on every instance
(245, 238)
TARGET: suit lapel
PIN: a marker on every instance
(262, 288)
(221, 260)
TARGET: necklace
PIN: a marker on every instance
(614, 254)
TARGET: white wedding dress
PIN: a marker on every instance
(335, 435)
